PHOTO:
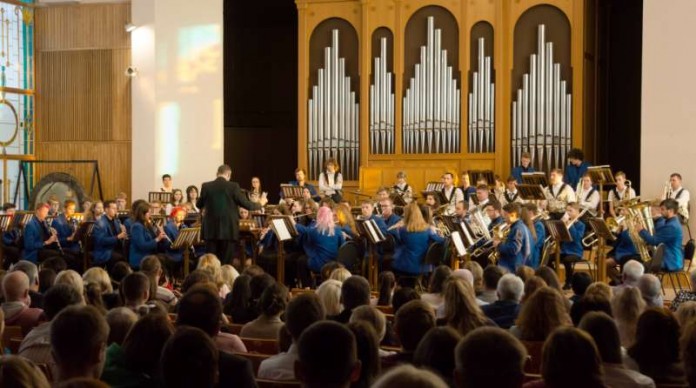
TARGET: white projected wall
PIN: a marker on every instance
(668, 127)
(177, 93)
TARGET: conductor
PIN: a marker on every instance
(219, 201)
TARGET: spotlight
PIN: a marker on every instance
(131, 71)
(130, 27)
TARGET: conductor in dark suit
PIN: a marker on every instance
(219, 201)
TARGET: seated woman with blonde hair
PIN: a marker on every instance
(209, 262)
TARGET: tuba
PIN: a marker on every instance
(639, 214)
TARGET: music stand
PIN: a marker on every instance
(534, 178)
(284, 229)
(186, 239)
(476, 175)
(531, 192)
(432, 187)
(5, 221)
(157, 221)
(291, 191)
(83, 234)
(604, 234)
(161, 196)
(559, 234)
(123, 215)
(397, 200)
(602, 175)
(369, 230)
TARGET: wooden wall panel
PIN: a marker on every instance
(83, 109)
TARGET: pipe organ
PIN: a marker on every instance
(482, 105)
(542, 110)
(390, 100)
(333, 123)
(431, 105)
(382, 106)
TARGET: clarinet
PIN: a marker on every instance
(54, 232)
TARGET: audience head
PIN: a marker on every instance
(490, 357)
(651, 289)
(258, 284)
(627, 307)
(463, 274)
(99, 276)
(302, 311)
(524, 272)
(16, 371)
(632, 272)
(355, 291)
(55, 263)
(273, 300)
(510, 287)
(477, 272)
(47, 277)
(601, 289)
(200, 276)
(541, 314)
(329, 292)
(686, 313)
(200, 307)
(387, 282)
(436, 351)
(550, 277)
(402, 296)
(570, 359)
(71, 278)
(408, 376)
(491, 276)
(78, 342)
(189, 359)
(438, 279)
(119, 271)
(367, 346)
(241, 293)
(589, 302)
(328, 268)
(120, 321)
(462, 312)
(229, 275)
(15, 287)
(59, 297)
(373, 316)
(32, 272)
(688, 352)
(657, 339)
(603, 330)
(340, 274)
(411, 322)
(532, 284)
(327, 356)
(135, 289)
(143, 345)
(580, 282)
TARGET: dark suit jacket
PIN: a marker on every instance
(502, 312)
(235, 371)
(220, 200)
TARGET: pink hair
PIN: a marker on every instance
(325, 221)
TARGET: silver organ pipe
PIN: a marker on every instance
(382, 106)
(431, 103)
(482, 105)
(541, 113)
(333, 123)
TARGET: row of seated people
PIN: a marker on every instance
(467, 320)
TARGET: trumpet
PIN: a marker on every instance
(499, 232)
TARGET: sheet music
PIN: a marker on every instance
(467, 235)
(281, 229)
(458, 243)
(374, 231)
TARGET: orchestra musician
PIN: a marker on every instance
(256, 193)
(515, 250)
(461, 211)
(130, 220)
(620, 192)
(345, 220)
(493, 210)
(121, 199)
(167, 185)
(524, 167)
(412, 240)
(538, 235)
(331, 181)
(320, 242)
(668, 231)
(576, 168)
(623, 251)
(108, 236)
(572, 251)
(367, 213)
(66, 227)
(176, 201)
(54, 204)
(432, 201)
(559, 194)
(468, 190)
(388, 215)
(450, 192)
(300, 176)
(39, 242)
(382, 193)
(588, 196)
(191, 198)
(172, 229)
(156, 208)
(144, 238)
(510, 194)
(402, 188)
(95, 212)
(482, 197)
(678, 193)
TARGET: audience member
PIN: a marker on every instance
(376, 319)
(190, 359)
(411, 323)
(97, 275)
(463, 274)
(118, 272)
(579, 284)
(120, 321)
(600, 289)
(16, 371)
(686, 313)
(32, 272)
(550, 277)
(367, 347)
(408, 376)
(627, 307)
(489, 357)
(530, 286)
(544, 312)
(436, 352)
(387, 283)
(651, 290)
(238, 303)
(589, 302)
(436, 287)
(329, 292)
(340, 274)
(603, 330)
(327, 356)
(151, 266)
(71, 278)
(524, 272)
(135, 291)
(504, 311)
(302, 311)
(631, 274)
(229, 275)
(78, 341)
(271, 305)
(462, 312)
(196, 277)
(403, 295)
(16, 308)
(355, 292)
(47, 277)
(688, 352)
(477, 271)
(491, 276)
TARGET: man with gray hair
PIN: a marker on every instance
(632, 271)
(651, 289)
(15, 287)
(504, 311)
(32, 272)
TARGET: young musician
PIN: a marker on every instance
(300, 176)
(256, 192)
(493, 212)
(624, 250)
(539, 236)
(588, 196)
(620, 192)
(390, 219)
(66, 226)
(412, 242)
(144, 239)
(156, 208)
(678, 193)
(668, 231)
(367, 210)
(130, 220)
(460, 211)
(450, 192)
(320, 243)
(510, 194)
(576, 167)
(402, 188)
(432, 201)
(382, 194)
(525, 166)
(108, 236)
(572, 251)
(167, 185)
(559, 194)
(39, 242)
(54, 206)
(468, 190)
(482, 197)
(191, 198)
(172, 229)
(95, 212)
(331, 181)
(516, 248)
(345, 221)
(176, 201)
(121, 199)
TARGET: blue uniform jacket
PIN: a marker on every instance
(469, 192)
(537, 249)
(574, 173)
(517, 172)
(104, 239)
(34, 236)
(577, 232)
(319, 248)
(624, 246)
(65, 230)
(391, 220)
(411, 248)
(668, 232)
(496, 221)
(516, 248)
(173, 232)
(142, 243)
